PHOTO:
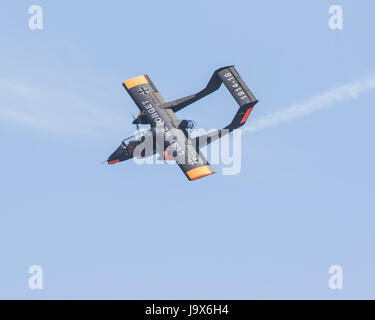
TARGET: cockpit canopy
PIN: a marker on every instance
(129, 143)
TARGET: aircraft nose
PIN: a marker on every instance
(112, 159)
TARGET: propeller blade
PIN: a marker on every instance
(137, 125)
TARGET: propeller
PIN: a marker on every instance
(136, 124)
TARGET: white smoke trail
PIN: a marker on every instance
(322, 101)
(62, 112)
(56, 111)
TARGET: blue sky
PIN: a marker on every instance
(302, 202)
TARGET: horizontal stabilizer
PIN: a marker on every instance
(236, 86)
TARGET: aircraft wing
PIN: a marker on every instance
(191, 161)
(142, 89)
(195, 165)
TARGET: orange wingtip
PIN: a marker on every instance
(135, 82)
(199, 172)
(113, 161)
